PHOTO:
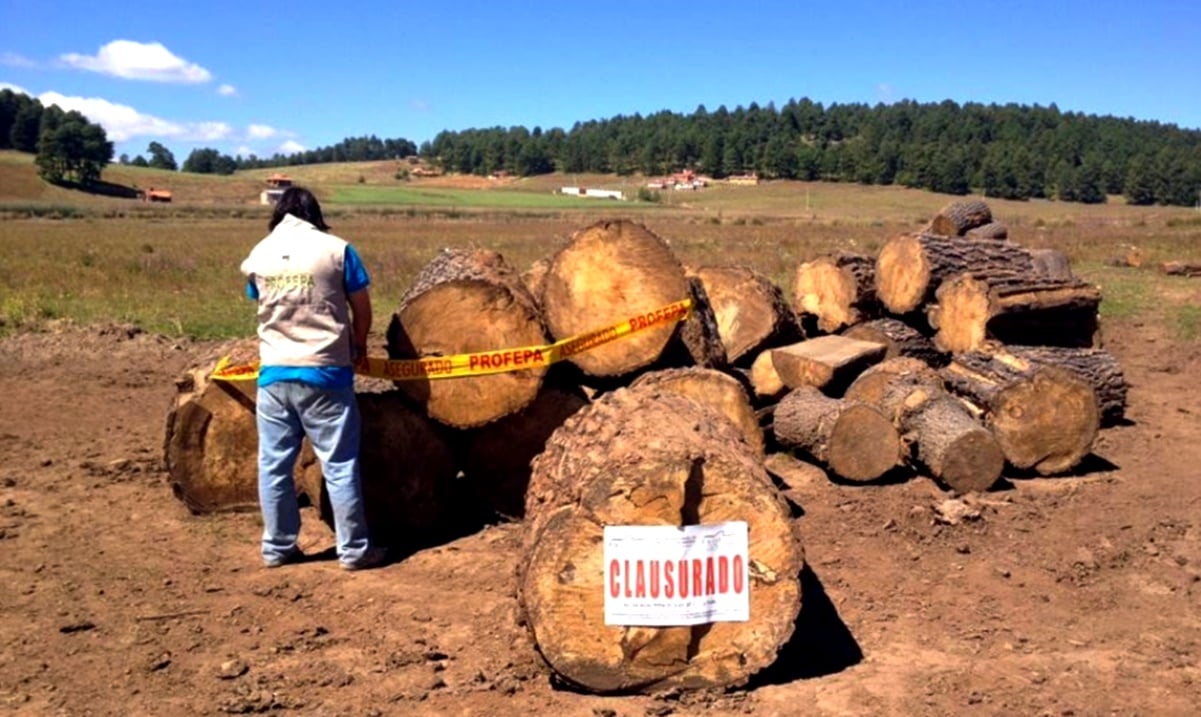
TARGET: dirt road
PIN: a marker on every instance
(1068, 596)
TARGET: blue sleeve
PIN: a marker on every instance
(354, 274)
(252, 291)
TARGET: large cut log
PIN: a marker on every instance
(947, 440)
(910, 267)
(211, 444)
(719, 391)
(1014, 309)
(1180, 268)
(497, 456)
(1044, 417)
(534, 278)
(992, 230)
(615, 271)
(838, 290)
(750, 310)
(640, 458)
(407, 465)
(826, 362)
(1096, 366)
(958, 217)
(872, 385)
(899, 339)
(468, 302)
(855, 440)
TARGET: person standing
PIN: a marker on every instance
(314, 315)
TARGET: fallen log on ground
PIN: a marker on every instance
(1013, 308)
(641, 458)
(838, 290)
(1180, 268)
(910, 267)
(948, 441)
(1096, 366)
(855, 440)
(466, 302)
(1045, 418)
(211, 444)
(750, 310)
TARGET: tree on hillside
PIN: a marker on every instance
(209, 161)
(161, 157)
(139, 161)
(70, 148)
(23, 136)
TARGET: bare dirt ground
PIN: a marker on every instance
(1068, 596)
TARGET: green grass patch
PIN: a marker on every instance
(1187, 320)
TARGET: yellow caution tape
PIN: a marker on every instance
(486, 362)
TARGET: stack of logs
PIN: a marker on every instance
(908, 359)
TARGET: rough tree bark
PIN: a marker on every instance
(899, 339)
(958, 217)
(838, 290)
(992, 230)
(910, 267)
(647, 458)
(466, 302)
(1096, 366)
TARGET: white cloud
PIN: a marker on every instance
(291, 147)
(122, 122)
(244, 151)
(139, 61)
(260, 131)
(15, 88)
(227, 90)
(885, 93)
(12, 59)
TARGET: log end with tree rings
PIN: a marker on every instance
(467, 302)
(610, 272)
(646, 459)
(902, 274)
(1046, 423)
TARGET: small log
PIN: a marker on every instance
(467, 302)
(1045, 418)
(641, 458)
(855, 440)
(1014, 308)
(765, 381)
(1180, 268)
(838, 290)
(719, 391)
(750, 310)
(958, 217)
(948, 441)
(1096, 366)
(1131, 257)
(1052, 264)
(607, 273)
(992, 230)
(899, 339)
(910, 267)
(826, 362)
(497, 456)
(211, 444)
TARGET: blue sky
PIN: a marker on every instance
(260, 77)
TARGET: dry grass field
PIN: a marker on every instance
(1078, 595)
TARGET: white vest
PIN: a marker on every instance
(303, 313)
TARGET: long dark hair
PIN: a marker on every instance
(300, 203)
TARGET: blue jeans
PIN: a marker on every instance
(287, 411)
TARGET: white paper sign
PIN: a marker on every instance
(661, 575)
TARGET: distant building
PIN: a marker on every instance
(592, 193)
(279, 181)
(751, 179)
